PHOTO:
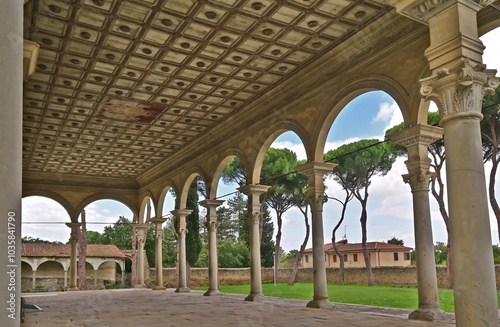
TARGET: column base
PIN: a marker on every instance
(72, 289)
(429, 315)
(256, 298)
(159, 288)
(182, 290)
(320, 304)
(140, 286)
(212, 293)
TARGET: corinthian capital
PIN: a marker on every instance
(459, 91)
(212, 225)
(254, 217)
(419, 181)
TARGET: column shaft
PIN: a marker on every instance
(213, 266)
(159, 252)
(73, 265)
(141, 239)
(34, 280)
(181, 231)
(471, 244)
(254, 214)
(417, 139)
(11, 111)
(315, 193)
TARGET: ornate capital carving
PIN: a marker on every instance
(422, 10)
(212, 225)
(459, 91)
(182, 231)
(419, 181)
(316, 201)
(254, 217)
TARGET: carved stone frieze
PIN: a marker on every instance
(422, 10)
(459, 91)
(419, 181)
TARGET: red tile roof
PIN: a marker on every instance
(64, 250)
(356, 247)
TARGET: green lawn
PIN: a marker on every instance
(380, 295)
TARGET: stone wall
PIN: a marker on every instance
(241, 276)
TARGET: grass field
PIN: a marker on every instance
(379, 295)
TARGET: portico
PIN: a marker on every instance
(129, 100)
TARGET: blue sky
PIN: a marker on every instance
(389, 208)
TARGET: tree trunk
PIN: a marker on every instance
(341, 262)
(133, 278)
(491, 190)
(188, 274)
(449, 271)
(297, 261)
(366, 255)
(277, 245)
(82, 254)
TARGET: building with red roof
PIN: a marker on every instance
(381, 254)
(47, 266)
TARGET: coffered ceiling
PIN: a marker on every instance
(121, 85)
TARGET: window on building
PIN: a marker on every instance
(396, 257)
(345, 257)
(355, 257)
(334, 258)
(307, 258)
(407, 255)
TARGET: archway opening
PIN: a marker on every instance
(366, 186)
(44, 220)
(169, 252)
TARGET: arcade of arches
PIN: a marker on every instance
(126, 99)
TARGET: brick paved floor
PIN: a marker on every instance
(144, 307)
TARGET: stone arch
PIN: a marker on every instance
(53, 196)
(112, 260)
(107, 196)
(224, 159)
(163, 195)
(63, 261)
(350, 91)
(185, 189)
(145, 200)
(488, 19)
(47, 261)
(29, 263)
(270, 135)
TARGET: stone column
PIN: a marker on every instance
(73, 265)
(11, 112)
(254, 215)
(315, 197)
(458, 84)
(213, 267)
(65, 278)
(34, 280)
(181, 232)
(417, 139)
(95, 278)
(142, 230)
(159, 252)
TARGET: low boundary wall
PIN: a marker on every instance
(241, 276)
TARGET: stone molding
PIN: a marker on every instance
(459, 91)
(422, 10)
